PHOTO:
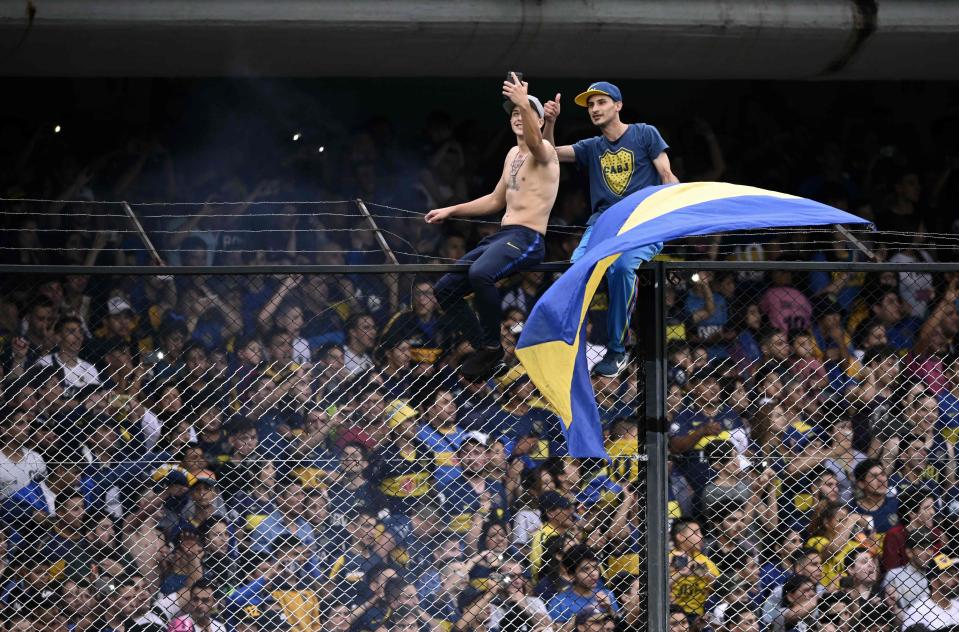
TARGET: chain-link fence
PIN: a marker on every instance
(812, 417)
(297, 451)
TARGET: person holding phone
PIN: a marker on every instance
(623, 159)
(507, 605)
(527, 188)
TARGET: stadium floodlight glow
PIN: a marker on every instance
(56, 129)
(296, 136)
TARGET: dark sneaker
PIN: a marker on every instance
(611, 365)
(482, 364)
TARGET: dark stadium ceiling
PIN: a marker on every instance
(674, 39)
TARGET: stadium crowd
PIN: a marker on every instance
(231, 452)
(309, 472)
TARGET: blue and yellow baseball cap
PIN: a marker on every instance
(600, 87)
(399, 411)
(940, 564)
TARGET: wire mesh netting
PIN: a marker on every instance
(813, 421)
(297, 452)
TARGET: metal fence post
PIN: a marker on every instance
(653, 329)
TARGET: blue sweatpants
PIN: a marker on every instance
(621, 278)
(508, 251)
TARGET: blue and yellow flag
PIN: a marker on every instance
(552, 346)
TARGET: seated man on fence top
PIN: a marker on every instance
(528, 189)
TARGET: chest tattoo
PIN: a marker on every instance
(514, 168)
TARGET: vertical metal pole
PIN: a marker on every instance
(657, 477)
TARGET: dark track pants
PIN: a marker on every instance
(508, 251)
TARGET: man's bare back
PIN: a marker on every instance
(531, 189)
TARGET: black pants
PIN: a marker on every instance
(508, 251)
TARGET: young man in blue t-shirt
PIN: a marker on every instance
(623, 159)
(585, 591)
(873, 498)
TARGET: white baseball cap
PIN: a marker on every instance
(479, 437)
(537, 106)
(118, 305)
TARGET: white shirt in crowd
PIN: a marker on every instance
(909, 583)
(356, 364)
(15, 476)
(927, 612)
(152, 427)
(915, 288)
(185, 622)
(525, 523)
(301, 351)
(76, 377)
(534, 606)
(31, 468)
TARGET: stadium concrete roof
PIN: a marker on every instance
(674, 39)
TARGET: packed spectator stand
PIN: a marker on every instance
(296, 451)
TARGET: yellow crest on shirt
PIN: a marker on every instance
(617, 168)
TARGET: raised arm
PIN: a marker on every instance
(552, 109)
(518, 93)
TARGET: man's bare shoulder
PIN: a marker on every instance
(553, 154)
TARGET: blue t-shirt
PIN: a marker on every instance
(622, 167)
(688, 419)
(771, 575)
(444, 610)
(462, 501)
(545, 425)
(693, 465)
(929, 481)
(747, 347)
(444, 444)
(883, 518)
(712, 325)
(797, 435)
(948, 424)
(846, 297)
(902, 335)
(565, 605)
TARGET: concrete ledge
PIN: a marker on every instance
(676, 39)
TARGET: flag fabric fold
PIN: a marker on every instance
(552, 347)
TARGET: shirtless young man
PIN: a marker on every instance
(528, 189)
